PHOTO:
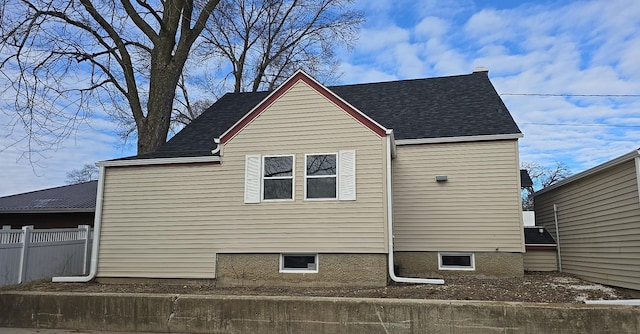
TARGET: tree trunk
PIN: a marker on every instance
(152, 133)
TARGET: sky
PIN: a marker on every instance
(568, 71)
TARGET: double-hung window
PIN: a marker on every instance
(321, 176)
(327, 176)
(277, 177)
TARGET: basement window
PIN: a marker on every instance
(456, 261)
(298, 263)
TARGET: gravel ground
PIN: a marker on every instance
(533, 287)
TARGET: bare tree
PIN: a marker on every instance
(266, 41)
(88, 172)
(542, 176)
(64, 59)
(185, 110)
(261, 43)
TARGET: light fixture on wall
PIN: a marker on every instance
(441, 178)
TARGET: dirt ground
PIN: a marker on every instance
(533, 287)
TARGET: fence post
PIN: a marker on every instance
(26, 239)
(86, 229)
(4, 237)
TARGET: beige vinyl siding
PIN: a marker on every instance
(599, 223)
(477, 209)
(540, 260)
(171, 220)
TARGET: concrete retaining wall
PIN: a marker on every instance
(244, 314)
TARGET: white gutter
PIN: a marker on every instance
(392, 274)
(638, 174)
(160, 161)
(93, 269)
(217, 149)
(541, 245)
(460, 139)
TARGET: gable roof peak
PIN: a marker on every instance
(298, 76)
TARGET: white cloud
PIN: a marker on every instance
(406, 60)
(379, 40)
(489, 26)
(91, 142)
(431, 27)
(586, 47)
(362, 74)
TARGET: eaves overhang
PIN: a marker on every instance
(460, 139)
(48, 210)
(159, 161)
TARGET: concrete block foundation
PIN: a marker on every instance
(493, 264)
(334, 270)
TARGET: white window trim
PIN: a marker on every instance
(443, 267)
(292, 177)
(300, 271)
(337, 155)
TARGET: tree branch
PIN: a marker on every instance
(138, 21)
(126, 64)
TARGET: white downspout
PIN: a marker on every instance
(217, 149)
(637, 159)
(555, 218)
(93, 269)
(392, 274)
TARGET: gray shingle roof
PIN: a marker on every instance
(454, 106)
(533, 236)
(525, 179)
(79, 197)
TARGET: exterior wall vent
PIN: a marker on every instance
(441, 178)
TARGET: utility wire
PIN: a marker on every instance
(580, 95)
(586, 124)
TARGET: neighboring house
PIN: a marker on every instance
(539, 244)
(300, 186)
(541, 249)
(60, 207)
(525, 179)
(598, 217)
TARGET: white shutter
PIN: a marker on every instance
(347, 175)
(252, 175)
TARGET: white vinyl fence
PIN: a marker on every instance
(28, 255)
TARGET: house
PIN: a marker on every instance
(541, 249)
(525, 179)
(596, 215)
(310, 185)
(59, 207)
